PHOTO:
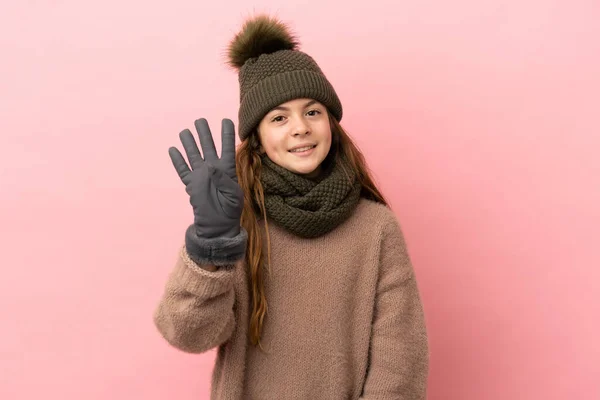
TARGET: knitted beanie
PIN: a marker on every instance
(273, 71)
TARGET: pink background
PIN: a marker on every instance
(480, 120)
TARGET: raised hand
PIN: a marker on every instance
(215, 195)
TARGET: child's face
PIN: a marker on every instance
(299, 122)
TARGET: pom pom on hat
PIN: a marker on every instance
(260, 35)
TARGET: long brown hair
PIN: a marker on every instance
(248, 163)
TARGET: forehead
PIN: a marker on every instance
(296, 103)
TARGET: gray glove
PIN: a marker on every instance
(215, 195)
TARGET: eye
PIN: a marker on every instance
(278, 118)
(314, 112)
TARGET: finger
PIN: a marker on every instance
(206, 140)
(228, 141)
(191, 148)
(180, 165)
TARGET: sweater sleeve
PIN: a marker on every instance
(195, 313)
(399, 351)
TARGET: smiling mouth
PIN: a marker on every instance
(303, 149)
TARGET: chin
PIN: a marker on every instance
(304, 171)
(307, 169)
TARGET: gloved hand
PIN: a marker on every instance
(215, 195)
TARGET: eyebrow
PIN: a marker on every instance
(282, 108)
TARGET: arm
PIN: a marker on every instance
(195, 313)
(399, 352)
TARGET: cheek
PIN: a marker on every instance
(273, 146)
(327, 136)
(266, 140)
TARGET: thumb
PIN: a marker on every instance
(229, 194)
(224, 183)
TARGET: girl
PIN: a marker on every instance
(294, 267)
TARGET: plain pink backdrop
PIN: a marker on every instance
(480, 120)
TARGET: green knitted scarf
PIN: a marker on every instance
(305, 207)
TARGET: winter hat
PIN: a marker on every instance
(273, 71)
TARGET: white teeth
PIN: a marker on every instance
(302, 149)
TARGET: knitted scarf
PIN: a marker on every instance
(305, 207)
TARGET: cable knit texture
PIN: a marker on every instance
(345, 319)
(305, 207)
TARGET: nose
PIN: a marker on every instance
(301, 127)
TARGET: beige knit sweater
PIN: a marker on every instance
(344, 320)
